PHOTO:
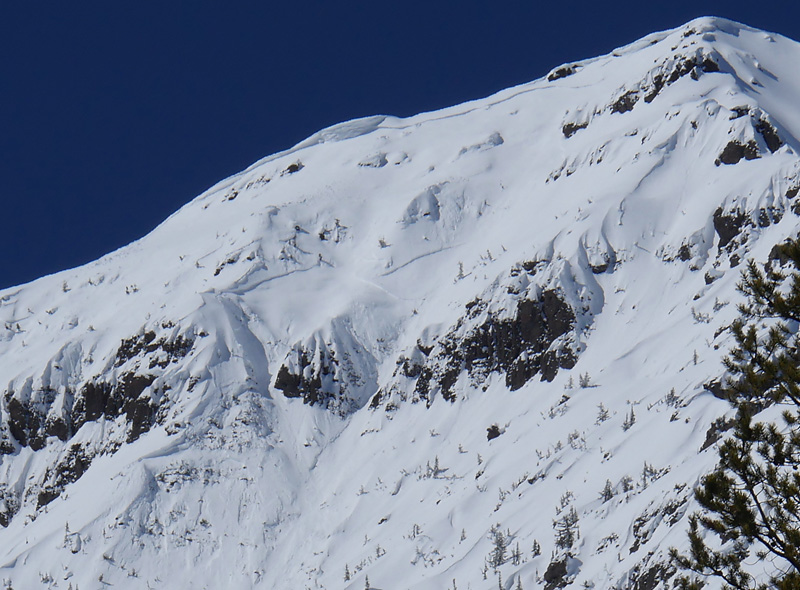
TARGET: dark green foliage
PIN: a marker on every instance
(608, 492)
(751, 501)
(500, 542)
(567, 531)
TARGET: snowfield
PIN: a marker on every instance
(473, 347)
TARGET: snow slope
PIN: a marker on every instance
(294, 379)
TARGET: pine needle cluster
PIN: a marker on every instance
(751, 501)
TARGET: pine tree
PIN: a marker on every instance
(630, 420)
(751, 501)
(516, 555)
(602, 414)
(608, 491)
(566, 528)
(536, 549)
(672, 399)
(627, 483)
(500, 546)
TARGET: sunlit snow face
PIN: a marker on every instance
(381, 351)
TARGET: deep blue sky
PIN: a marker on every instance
(114, 114)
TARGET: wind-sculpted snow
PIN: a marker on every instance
(522, 326)
(473, 344)
(331, 369)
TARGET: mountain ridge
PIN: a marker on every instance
(459, 290)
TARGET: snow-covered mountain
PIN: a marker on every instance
(403, 343)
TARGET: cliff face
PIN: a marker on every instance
(406, 344)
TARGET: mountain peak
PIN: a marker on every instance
(382, 350)
(709, 24)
